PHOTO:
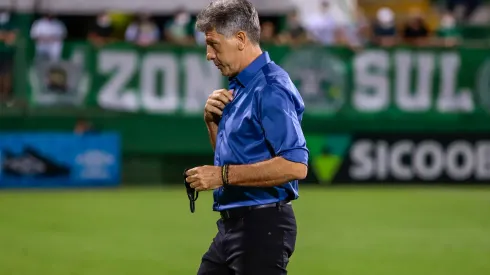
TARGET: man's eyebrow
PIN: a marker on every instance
(210, 40)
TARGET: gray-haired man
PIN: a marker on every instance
(260, 151)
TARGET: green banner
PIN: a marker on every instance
(157, 94)
(396, 83)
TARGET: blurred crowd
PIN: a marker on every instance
(385, 29)
(319, 28)
(48, 32)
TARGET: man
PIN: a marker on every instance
(415, 31)
(267, 33)
(179, 30)
(448, 33)
(143, 31)
(470, 6)
(294, 33)
(49, 33)
(260, 151)
(101, 32)
(7, 51)
(384, 29)
(322, 25)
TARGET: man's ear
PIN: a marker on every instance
(241, 38)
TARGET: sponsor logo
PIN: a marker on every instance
(31, 162)
(398, 158)
(95, 164)
(60, 83)
(327, 154)
(320, 77)
(422, 160)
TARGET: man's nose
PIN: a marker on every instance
(210, 53)
(210, 56)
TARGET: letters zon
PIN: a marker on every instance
(460, 160)
(151, 82)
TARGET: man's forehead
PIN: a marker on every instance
(212, 35)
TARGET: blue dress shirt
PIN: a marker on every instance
(263, 121)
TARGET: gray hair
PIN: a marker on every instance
(228, 17)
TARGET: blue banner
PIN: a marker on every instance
(39, 160)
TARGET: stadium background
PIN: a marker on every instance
(397, 121)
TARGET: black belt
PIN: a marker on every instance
(241, 211)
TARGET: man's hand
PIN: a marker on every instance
(214, 110)
(215, 104)
(204, 178)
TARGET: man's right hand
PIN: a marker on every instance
(215, 104)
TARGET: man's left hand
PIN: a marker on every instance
(204, 178)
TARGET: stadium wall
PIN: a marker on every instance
(380, 115)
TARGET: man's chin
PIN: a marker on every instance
(224, 73)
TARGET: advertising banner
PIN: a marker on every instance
(334, 81)
(44, 160)
(401, 158)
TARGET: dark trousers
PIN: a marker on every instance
(259, 243)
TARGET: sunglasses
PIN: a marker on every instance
(192, 194)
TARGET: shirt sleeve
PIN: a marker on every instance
(282, 127)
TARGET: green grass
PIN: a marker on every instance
(342, 231)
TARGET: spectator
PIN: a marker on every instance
(356, 34)
(415, 31)
(448, 32)
(469, 7)
(294, 33)
(49, 33)
(267, 33)
(7, 39)
(101, 32)
(180, 29)
(322, 27)
(83, 126)
(143, 31)
(7, 28)
(384, 29)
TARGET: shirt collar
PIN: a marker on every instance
(245, 76)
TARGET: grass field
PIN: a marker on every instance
(348, 231)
